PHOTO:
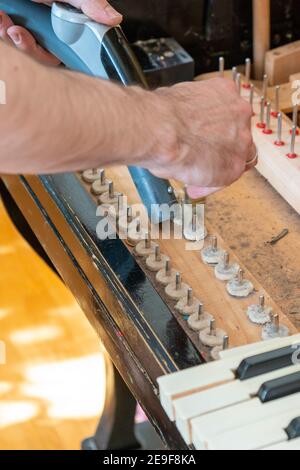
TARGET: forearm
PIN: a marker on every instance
(58, 121)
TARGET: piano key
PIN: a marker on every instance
(280, 387)
(220, 397)
(201, 377)
(288, 445)
(257, 348)
(265, 362)
(293, 429)
(253, 437)
(253, 411)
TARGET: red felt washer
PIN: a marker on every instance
(261, 125)
(246, 86)
(268, 131)
(274, 114)
(292, 156)
(279, 143)
(297, 132)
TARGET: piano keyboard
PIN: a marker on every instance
(248, 400)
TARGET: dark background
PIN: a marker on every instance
(208, 28)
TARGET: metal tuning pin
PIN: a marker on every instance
(274, 329)
(189, 304)
(221, 66)
(277, 101)
(261, 124)
(234, 74)
(265, 88)
(225, 271)
(156, 261)
(166, 275)
(215, 353)
(135, 233)
(124, 221)
(212, 336)
(176, 290)
(292, 153)
(89, 176)
(259, 314)
(195, 230)
(240, 287)
(145, 247)
(100, 186)
(247, 85)
(267, 130)
(200, 320)
(279, 142)
(295, 118)
(239, 83)
(211, 254)
(111, 197)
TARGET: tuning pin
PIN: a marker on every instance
(195, 230)
(89, 176)
(277, 101)
(267, 130)
(240, 287)
(212, 336)
(259, 314)
(295, 118)
(221, 66)
(212, 255)
(261, 124)
(239, 83)
(135, 234)
(234, 74)
(109, 198)
(265, 88)
(176, 290)
(200, 320)
(274, 329)
(292, 154)
(279, 142)
(100, 186)
(145, 247)
(189, 304)
(156, 261)
(247, 85)
(166, 275)
(215, 353)
(225, 271)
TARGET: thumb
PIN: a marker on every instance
(100, 11)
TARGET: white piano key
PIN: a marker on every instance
(253, 437)
(253, 411)
(220, 397)
(198, 378)
(294, 444)
(258, 348)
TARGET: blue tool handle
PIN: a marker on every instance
(37, 18)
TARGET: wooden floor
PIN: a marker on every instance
(51, 387)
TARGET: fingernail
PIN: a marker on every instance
(111, 12)
(15, 37)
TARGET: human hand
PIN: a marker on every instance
(98, 10)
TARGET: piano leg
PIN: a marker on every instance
(117, 429)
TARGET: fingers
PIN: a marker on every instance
(5, 24)
(25, 42)
(197, 193)
(99, 10)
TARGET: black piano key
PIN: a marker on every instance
(265, 363)
(279, 388)
(293, 430)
